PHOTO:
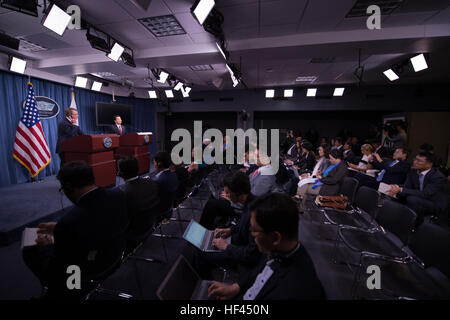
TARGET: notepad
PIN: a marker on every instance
(29, 236)
(384, 188)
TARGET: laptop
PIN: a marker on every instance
(200, 237)
(183, 283)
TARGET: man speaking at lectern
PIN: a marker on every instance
(67, 129)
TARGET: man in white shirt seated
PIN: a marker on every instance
(285, 270)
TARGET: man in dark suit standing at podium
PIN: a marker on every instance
(117, 127)
(67, 129)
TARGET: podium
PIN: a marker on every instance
(97, 150)
(136, 144)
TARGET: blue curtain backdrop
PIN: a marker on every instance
(13, 89)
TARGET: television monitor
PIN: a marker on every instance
(105, 113)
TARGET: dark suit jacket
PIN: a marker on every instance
(142, 199)
(332, 182)
(307, 164)
(66, 130)
(242, 248)
(395, 174)
(167, 183)
(432, 184)
(293, 279)
(349, 156)
(94, 226)
(115, 130)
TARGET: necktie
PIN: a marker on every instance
(120, 129)
(421, 178)
(255, 173)
(260, 281)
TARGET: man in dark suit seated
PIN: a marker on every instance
(167, 182)
(91, 235)
(117, 127)
(422, 187)
(285, 270)
(67, 129)
(391, 171)
(349, 155)
(141, 195)
(242, 248)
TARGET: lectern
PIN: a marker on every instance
(97, 150)
(136, 144)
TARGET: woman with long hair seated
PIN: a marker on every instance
(364, 164)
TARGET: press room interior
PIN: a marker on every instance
(321, 68)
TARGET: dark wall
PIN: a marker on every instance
(217, 120)
(328, 124)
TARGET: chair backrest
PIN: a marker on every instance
(431, 243)
(367, 199)
(397, 219)
(348, 188)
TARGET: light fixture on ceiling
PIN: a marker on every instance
(98, 40)
(169, 93)
(201, 9)
(18, 65)
(419, 63)
(128, 57)
(338, 92)
(178, 86)
(56, 19)
(233, 75)
(81, 82)
(222, 50)
(391, 75)
(162, 77)
(311, 92)
(270, 93)
(185, 92)
(96, 86)
(116, 52)
(152, 94)
(288, 93)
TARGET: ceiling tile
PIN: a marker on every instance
(174, 41)
(156, 8)
(281, 12)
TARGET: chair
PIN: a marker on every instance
(387, 242)
(348, 188)
(430, 245)
(363, 215)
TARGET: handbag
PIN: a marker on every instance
(335, 202)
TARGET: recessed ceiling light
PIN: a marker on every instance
(288, 93)
(311, 92)
(270, 93)
(18, 65)
(57, 20)
(96, 86)
(338, 92)
(201, 9)
(81, 82)
(116, 52)
(152, 94)
(419, 63)
(169, 94)
(391, 75)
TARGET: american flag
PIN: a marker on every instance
(30, 147)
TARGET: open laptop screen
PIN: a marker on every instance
(179, 283)
(195, 233)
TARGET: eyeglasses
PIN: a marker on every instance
(256, 231)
